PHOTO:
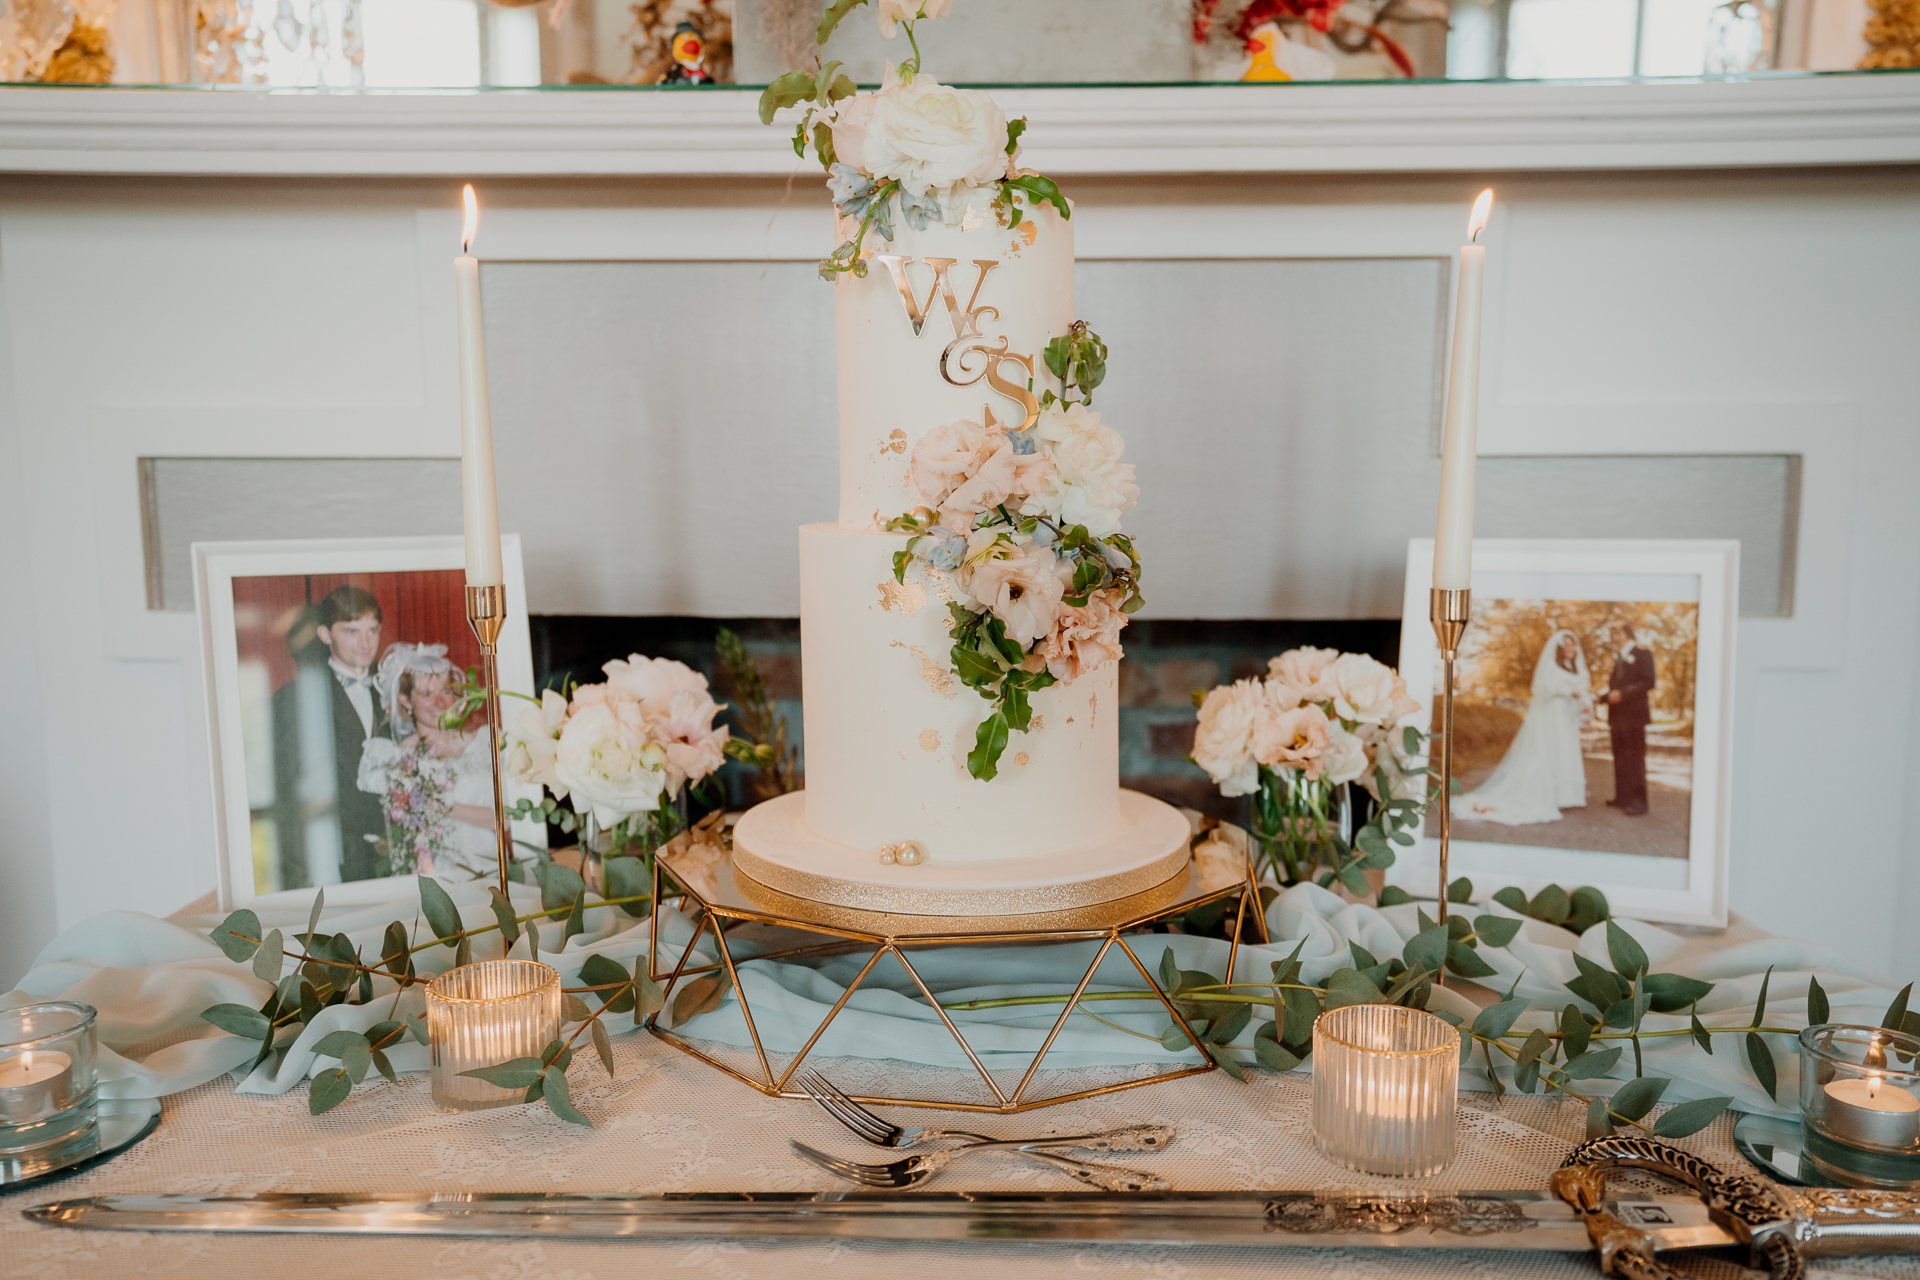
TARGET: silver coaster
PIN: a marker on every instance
(1786, 1152)
(121, 1123)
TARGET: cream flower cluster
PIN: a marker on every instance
(980, 481)
(616, 748)
(1326, 714)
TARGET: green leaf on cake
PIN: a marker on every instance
(790, 89)
(1039, 189)
(831, 19)
(983, 762)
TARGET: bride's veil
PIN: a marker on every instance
(1547, 664)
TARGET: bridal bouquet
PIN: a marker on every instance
(1294, 740)
(613, 756)
(1025, 524)
(914, 150)
(418, 809)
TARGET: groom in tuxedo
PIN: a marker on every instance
(1627, 716)
(341, 663)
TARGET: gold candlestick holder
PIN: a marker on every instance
(486, 614)
(1448, 608)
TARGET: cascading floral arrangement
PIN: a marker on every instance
(915, 149)
(613, 756)
(1319, 720)
(418, 810)
(1025, 524)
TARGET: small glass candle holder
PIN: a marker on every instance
(481, 1015)
(47, 1078)
(1860, 1103)
(1386, 1082)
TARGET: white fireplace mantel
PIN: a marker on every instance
(1331, 128)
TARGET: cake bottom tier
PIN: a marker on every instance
(888, 725)
(1145, 850)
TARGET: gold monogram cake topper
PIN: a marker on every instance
(968, 341)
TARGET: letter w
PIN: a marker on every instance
(965, 323)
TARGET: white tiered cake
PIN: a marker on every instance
(888, 725)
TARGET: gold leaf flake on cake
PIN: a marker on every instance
(1028, 231)
(903, 598)
(972, 221)
(932, 672)
(929, 739)
(896, 442)
(1021, 759)
(1037, 724)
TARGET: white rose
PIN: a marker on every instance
(1223, 740)
(932, 137)
(1089, 484)
(850, 121)
(1346, 757)
(533, 742)
(1367, 691)
(608, 765)
(1022, 588)
(892, 11)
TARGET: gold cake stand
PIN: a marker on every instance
(793, 928)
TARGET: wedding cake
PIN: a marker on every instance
(960, 620)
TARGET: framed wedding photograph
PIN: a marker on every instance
(333, 672)
(1593, 714)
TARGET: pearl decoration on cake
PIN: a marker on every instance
(908, 853)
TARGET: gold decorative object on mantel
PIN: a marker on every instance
(1893, 34)
(821, 930)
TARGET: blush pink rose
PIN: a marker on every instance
(1305, 674)
(1297, 738)
(1022, 589)
(944, 457)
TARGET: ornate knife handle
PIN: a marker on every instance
(1783, 1225)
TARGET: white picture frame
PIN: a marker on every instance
(216, 566)
(1689, 889)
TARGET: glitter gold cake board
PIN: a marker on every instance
(722, 908)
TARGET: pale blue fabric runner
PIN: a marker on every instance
(150, 978)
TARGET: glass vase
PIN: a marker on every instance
(481, 1015)
(1301, 824)
(1386, 1081)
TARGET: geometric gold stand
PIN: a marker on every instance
(799, 929)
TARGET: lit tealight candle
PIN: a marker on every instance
(34, 1085)
(1872, 1113)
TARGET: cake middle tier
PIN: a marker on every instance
(888, 725)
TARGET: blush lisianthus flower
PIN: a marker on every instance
(1293, 739)
(1345, 759)
(1223, 740)
(694, 747)
(928, 136)
(1306, 675)
(1368, 691)
(1021, 586)
(1088, 484)
(1085, 638)
(606, 763)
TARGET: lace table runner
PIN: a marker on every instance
(669, 1123)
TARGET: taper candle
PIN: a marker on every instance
(480, 507)
(1453, 536)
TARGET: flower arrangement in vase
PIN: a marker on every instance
(1296, 740)
(617, 759)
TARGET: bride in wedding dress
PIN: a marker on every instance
(1542, 772)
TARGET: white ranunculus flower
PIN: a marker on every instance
(1346, 757)
(893, 11)
(1368, 691)
(607, 764)
(1223, 740)
(932, 137)
(1089, 484)
(1023, 589)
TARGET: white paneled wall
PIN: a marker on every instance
(1741, 313)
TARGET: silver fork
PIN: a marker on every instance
(868, 1127)
(917, 1169)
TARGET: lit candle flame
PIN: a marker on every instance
(26, 1061)
(1476, 221)
(1873, 1087)
(472, 224)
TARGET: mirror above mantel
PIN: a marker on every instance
(349, 45)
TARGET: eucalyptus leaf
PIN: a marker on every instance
(1272, 1055)
(1465, 961)
(1599, 1123)
(1690, 1117)
(328, 1090)
(238, 936)
(1496, 1020)
(1461, 890)
(1592, 1064)
(1512, 899)
(1393, 895)
(335, 1043)
(1760, 1005)
(1589, 908)
(1348, 986)
(702, 995)
(628, 878)
(1575, 1032)
(357, 1060)
(1673, 992)
(442, 916)
(517, 1074)
(649, 998)
(1551, 904)
(557, 1099)
(313, 915)
(1496, 931)
(394, 956)
(1700, 1036)
(383, 1066)
(1817, 1010)
(270, 958)
(576, 918)
(1760, 1058)
(1427, 949)
(1229, 1025)
(1896, 1012)
(240, 1020)
(1636, 1097)
(1526, 1068)
(1629, 957)
(559, 886)
(573, 1008)
(1303, 1008)
(1175, 1039)
(463, 952)
(603, 1045)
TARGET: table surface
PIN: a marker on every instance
(669, 1123)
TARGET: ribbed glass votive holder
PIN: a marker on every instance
(481, 1015)
(1385, 1084)
(47, 1077)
